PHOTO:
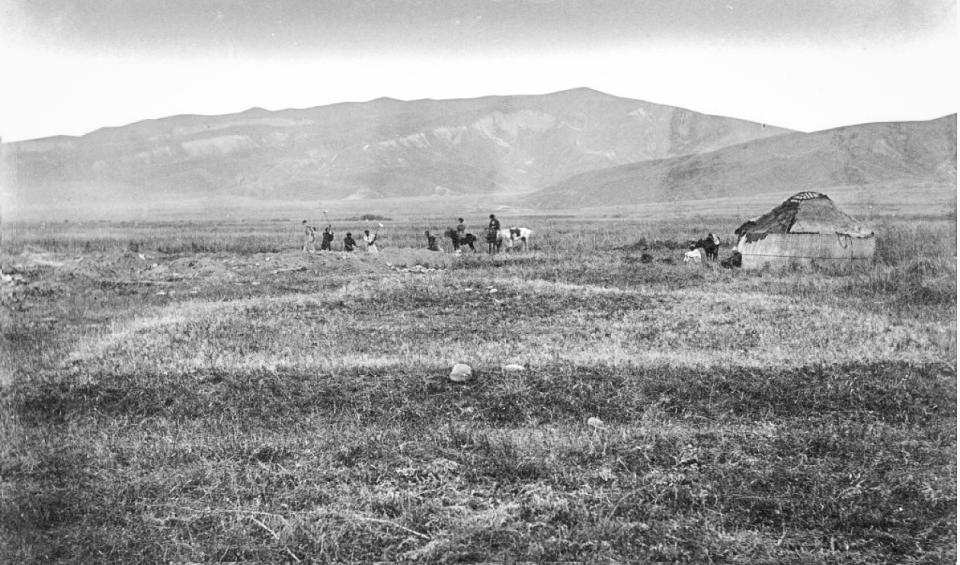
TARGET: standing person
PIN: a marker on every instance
(348, 242)
(431, 241)
(327, 238)
(459, 234)
(493, 235)
(309, 238)
(371, 240)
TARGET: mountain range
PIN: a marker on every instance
(381, 148)
(866, 155)
(575, 148)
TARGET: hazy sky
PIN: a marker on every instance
(71, 66)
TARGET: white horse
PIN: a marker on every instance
(514, 237)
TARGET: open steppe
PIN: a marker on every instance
(202, 390)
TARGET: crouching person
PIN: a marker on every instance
(348, 242)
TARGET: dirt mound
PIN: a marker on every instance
(657, 244)
(228, 267)
(131, 269)
(406, 257)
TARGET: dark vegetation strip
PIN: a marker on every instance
(877, 491)
(893, 392)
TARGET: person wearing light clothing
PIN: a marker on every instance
(371, 241)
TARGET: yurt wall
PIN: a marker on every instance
(781, 249)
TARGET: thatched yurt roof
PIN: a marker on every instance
(803, 213)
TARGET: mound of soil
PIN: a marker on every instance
(170, 272)
(644, 245)
(410, 257)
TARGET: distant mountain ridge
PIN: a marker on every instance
(381, 148)
(909, 153)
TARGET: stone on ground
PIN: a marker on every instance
(595, 422)
(461, 373)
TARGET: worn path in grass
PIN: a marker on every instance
(281, 407)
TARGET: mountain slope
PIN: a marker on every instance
(379, 148)
(861, 155)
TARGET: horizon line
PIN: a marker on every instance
(428, 99)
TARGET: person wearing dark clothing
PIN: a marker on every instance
(348, 243)
(431, 241)
(735, 260)
(493, 235)
(327, 239)
(458, 234)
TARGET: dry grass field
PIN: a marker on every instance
(203, 391)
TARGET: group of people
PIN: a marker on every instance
(706, 248)
(326, 240)
(458, 236)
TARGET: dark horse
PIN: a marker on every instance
(468, 239)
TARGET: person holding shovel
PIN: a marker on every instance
(326, 239)
(371, 240)
(309, 238)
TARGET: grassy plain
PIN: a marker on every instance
(202, 391)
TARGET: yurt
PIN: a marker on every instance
(807, 227)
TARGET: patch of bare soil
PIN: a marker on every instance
(129, 268)
(32, 275)
(408, 258)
